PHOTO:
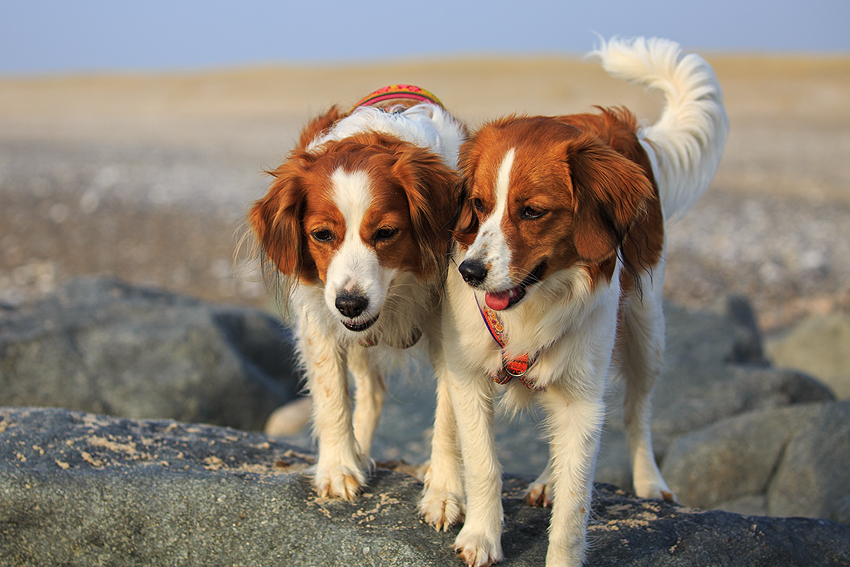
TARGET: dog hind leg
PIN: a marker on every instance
(539, 492)
(642, 354)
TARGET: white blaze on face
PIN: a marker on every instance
(490, 245)
(354, 267)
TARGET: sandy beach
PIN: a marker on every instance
(148, 177)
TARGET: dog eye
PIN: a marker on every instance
(479, 206)
(322, 235)
(530, 213)
(385, 233)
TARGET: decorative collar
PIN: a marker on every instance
(516, 367)
(398, 92)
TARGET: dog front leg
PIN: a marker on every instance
(338, 471)
(574, 426)
(369, 395)
(479, 541)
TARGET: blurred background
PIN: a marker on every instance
(134, 136)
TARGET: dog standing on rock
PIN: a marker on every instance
(558, 269)
(355, 225)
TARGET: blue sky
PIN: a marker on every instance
(45, 36)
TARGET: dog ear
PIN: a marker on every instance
(609, 193)
(430, 187)
(276, 221)
(466, 221)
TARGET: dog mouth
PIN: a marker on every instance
(501, 300)
(358, 326)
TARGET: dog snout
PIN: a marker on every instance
(351, 304)
(474, 272)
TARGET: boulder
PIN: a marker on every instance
(83, 489)
(818, 346)
(104, 346)
(790, 461)
(714, 368)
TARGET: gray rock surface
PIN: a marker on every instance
(819, 346)
(82, 489)
(790, 461)
(731, 432)
(714, 368)
(813, 478)
(103, 346)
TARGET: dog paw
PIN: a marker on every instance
(668, 496)
(340, 482)
(539, 494)
(477, 550)
(441, 509)
(656, 492)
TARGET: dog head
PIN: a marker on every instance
(539, 196)
(354, 214)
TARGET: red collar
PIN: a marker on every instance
(516, 367)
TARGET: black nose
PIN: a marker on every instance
(351, 304)
(473, 271)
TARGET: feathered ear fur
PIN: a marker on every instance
(276, 222)
(609, 193)
(466, 221)
(429, 185)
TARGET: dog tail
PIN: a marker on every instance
(686, 142)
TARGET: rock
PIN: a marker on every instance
(790, 461)
(83, 489)
(819, 346)
(813, 478)
(107, 347)
(103, 346)
(714, 368)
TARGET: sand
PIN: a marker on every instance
(148, 177)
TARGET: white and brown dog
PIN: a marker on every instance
(560, 265)
(356, 223)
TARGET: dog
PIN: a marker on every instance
(355, 228)
(559, 253)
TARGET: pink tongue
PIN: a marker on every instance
(497, 301)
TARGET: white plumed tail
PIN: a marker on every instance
(686, 143)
